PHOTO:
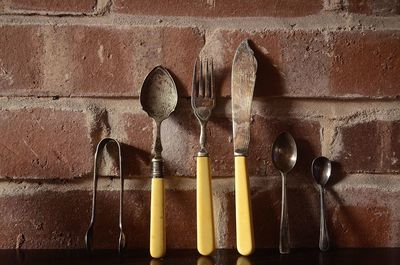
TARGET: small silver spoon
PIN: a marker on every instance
(284, 157)
(321, 170)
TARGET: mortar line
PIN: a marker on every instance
(335, 21)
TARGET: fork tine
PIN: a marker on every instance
(212, 80)
(194, 80)
(207, 81)
(201, 80)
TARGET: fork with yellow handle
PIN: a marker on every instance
(203, 102)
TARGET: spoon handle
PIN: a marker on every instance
(323, 231)
(284, 237)
(157, 221)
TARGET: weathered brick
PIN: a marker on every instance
(253, 8)
(44, 143)
(372, 146)
(137, 137)
(114, 61)
(178, 136)
(263, 134)
(27, 6)
(266, 205)
(181, 132)
(268, 53)
(306, 133)
(92, 60)
(40, 217)
(291, 63)
(365, 64)
(20, 55)
(374, 7)
(356, 217)
(29, 215)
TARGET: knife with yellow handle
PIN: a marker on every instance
(244, 69)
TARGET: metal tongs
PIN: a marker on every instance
(89, 233)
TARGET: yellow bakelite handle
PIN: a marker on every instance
(157, 220)
(205, 217)
(244, 219)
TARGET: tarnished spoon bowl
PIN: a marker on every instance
(321, 170)
(158, 95)
(284, 152)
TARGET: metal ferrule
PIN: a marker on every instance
(158, 171)
(239, 153)
(202, 153)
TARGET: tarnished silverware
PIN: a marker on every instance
(158, 98)
(284, 157)
(203, 102)
(321, 169)
(244, 70)
(89, 233)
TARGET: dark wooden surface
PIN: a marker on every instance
(190, 257)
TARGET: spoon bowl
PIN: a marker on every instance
(284, 152)
(321, 169)
(158, 95)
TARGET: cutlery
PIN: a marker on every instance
(284, 157)
(244, 70)
(89, 233)
(321, 169)
(203, 102)
(158, 98)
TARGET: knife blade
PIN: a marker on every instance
(244, 69)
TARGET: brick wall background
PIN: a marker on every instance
(70, 74)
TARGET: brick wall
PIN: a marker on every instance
(70, 74)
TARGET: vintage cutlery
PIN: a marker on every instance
(321, 169)
(158, 98)
(89, 233)
(244, 70)
(203, 102)
(284, 157)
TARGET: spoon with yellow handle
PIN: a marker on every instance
(158, 98)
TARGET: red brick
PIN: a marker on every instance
(369, 147)
(365, 226)
(306, 133)
(236, 8)
(357, 54)
(371, 7)
(180, 141)
(94, 61)
(45, 219)
(263, 133)
(358, 217)
(266, 205)
(80, 6)
(51, 219)
(20, 54)
(114, 61)
(43, 143)
(306, 65)
(221, 47)
(289, 63)
(138, 141)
